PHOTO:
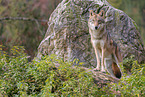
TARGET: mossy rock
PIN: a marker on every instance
(68, 35)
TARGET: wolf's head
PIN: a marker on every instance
(96, 21)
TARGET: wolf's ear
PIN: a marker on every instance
(102, 13)
(91, 13)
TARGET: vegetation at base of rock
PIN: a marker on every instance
(18, 77)
(133, 85)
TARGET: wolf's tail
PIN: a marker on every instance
(116, 70)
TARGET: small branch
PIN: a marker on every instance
(25, 19)
(22, 18)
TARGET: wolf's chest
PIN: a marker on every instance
(98, 43)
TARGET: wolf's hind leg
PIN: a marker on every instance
(108, 66)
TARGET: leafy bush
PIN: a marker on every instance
(18, 77)
(133, 85)
(51, 76)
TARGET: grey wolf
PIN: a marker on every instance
(106, 50)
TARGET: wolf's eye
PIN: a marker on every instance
(99, 21)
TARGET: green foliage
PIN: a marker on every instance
(127, 64)
(18, 77)
(133, 85)
(115, 3)
(52, 77)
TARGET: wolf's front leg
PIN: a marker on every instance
(98, 60)
(102, 61)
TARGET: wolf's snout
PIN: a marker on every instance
(96, 27)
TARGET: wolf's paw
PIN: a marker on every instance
(96, 69)
(103, 71)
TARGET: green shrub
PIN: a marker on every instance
(52, 77)
(133, 85)
(19, 77)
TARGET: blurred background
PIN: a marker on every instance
(24, 22)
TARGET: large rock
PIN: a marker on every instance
(68, 35)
